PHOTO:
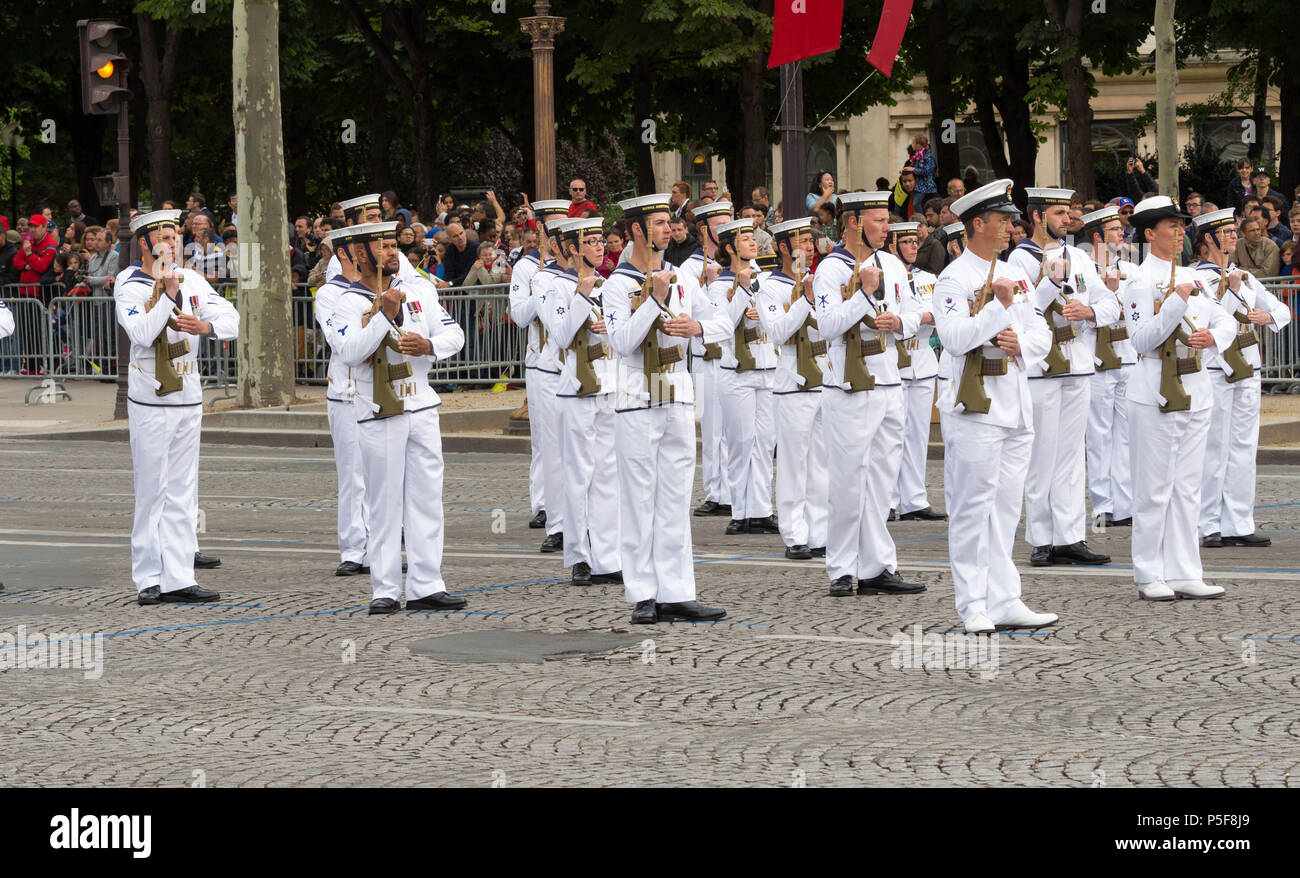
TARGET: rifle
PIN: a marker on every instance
(585, 352)
(655, 357)
(1106, 357)
(743, 335)
(1233, 356)
(970, 392)
(855, 350)
(713, 350)
(806, 350)
(1172, 366)
(386, 373)
(164, 352)
(1056, 361)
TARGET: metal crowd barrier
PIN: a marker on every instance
(1280, 351)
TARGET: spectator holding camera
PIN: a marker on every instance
(1137, 180)
(35, 258)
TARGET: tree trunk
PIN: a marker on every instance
(989, 128)
(645, 171)
(1013, 106)
(943, 103)
(1166, 99)
(378, 134)
(267, 341)
(158, 76)
(754, 126)
(1289, 80)
(1259, 110)
(1078, 110)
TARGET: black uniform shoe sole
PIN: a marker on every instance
(1025, 627)
(1198, 597)
(608, 578)
(147, 602)
(1238, 541)
(207, 565)
(671, 617)
(384, 611)
(1047, 563)
(885, 590)
(804, 555)
(819, 552)
(458, 603)
(1066, 560)
(166, 598)
(1121, 522)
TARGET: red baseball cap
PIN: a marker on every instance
(37, 220)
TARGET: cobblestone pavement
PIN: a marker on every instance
(286, 681)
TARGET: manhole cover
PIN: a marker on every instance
(519, 646)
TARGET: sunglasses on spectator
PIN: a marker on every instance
(577, 188)
(1126, 213)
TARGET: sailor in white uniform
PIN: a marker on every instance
(917, 367)
(542, 367)
(1068, 289)
(166, 418)
(1110, 484)
(986, 411)
(398, 328)
(785, 310)
(6, 321)
(655, 427)
(706, 360)
(366, 209)
(1170, 398)
(864, 307)
(1228, 486)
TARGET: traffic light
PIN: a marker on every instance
(103, 67)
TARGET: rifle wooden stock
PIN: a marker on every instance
(1233, 356)
(1172, 366)
(586, 353)
(164, 352)
(970, 390)
(855, 367)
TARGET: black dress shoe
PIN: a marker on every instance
(383, 606)
(1041, 556)
(205, 562)
(798, 553)
(350, 568)
(148, 596)
(1213, 541)
(645, 613)
(1077, 553)
(538, 520)
(615, 578)
(893, 515)
(764, 525)
(818, 552)
(926, 514)
(581, 574)
(553, 542)
(692, 611)
(191, 595)
(888, 582)
(737, 526)
(439, 600)
(1122, 522)
(842, 587)
(708, 507)
(1252, 540)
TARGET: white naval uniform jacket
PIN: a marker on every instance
(835, 315)
(1251, 294)
(1083, 285)
(924, 362)
(1124, 347)
(1149, 330)
(955, 293)
(541, 296)
(523, 305)
(338, 379)
(197, 297)
(567, 310)
(761, 349)
(420, 313)
(694, 266)
(628, 329)
(6, 321)
(781, 327)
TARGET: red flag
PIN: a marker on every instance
(889, 35)
(804, 28)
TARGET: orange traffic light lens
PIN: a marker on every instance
(106, 71)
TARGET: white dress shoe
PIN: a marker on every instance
(1156, 590)
(1023, 617)
(978, 623)
(1195, 590)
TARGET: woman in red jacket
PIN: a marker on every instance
(35, 257)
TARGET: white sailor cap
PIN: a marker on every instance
(863, 201)
(768, 262)
(903, 230)
(373, 231)
(1097, 217)
(957, 230)
(155, 219)
(993, 196)
(735, 227)
(551, 207)
(342, 235)
(790, 228)
(1149, 211)
(645, 204)
(1049, 197)
(580, 226)
(555, 224)
(715, 208)
(1215, 219)
(355, 208)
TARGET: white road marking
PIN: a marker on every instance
(877, 641)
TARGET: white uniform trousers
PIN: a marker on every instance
(536, 379)
(165, 470)
(1054, 485)
(713, 450)
(590, 482)
(656, 471)
(401, 459)
(352, 486)
(1228, 486)
(864, 444)
(1167, 452)
(801, 481)
(983, 485)
(547, 487)
(909, 493)
(747, 409)
(1110, 484)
